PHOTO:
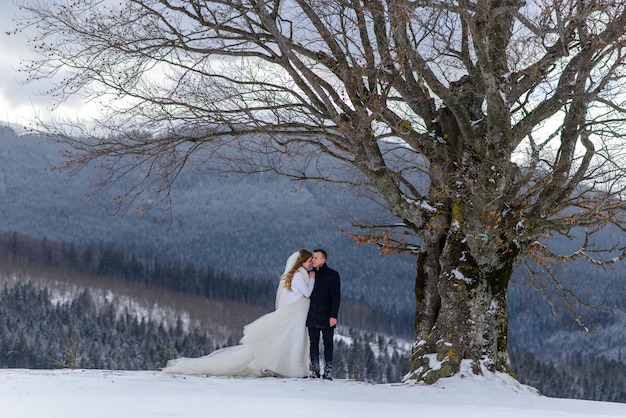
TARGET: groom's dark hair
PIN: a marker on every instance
(319, 250)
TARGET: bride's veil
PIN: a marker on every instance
(291, 261)
(281, 291)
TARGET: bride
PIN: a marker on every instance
(275, 344)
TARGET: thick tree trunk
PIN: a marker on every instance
(461, 312)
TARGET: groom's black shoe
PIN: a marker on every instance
(327, 372)
(314, 374)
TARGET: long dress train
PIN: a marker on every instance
(275, 344)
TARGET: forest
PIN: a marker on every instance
(80, 332)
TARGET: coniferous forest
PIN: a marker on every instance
(80, 332)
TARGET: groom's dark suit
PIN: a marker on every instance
(324, 305)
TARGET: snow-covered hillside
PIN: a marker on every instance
(120, 394)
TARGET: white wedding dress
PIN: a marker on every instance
(276, 344)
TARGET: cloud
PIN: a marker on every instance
(21, 101)
(18, 101)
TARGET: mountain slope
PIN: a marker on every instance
(246, 226)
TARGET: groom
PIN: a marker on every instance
(323, 311)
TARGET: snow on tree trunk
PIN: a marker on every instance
(461, 311)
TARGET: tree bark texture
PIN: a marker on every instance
(461, 313)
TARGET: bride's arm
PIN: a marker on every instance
(301, 283)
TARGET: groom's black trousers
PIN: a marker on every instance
(327, 337)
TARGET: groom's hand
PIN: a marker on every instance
(333, 322)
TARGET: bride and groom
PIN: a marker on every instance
(278, 344)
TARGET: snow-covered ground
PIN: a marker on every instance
(152, 394)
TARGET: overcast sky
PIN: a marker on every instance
(19, 102)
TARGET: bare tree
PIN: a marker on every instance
(480, 126)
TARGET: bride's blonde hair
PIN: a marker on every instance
(303, 256)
